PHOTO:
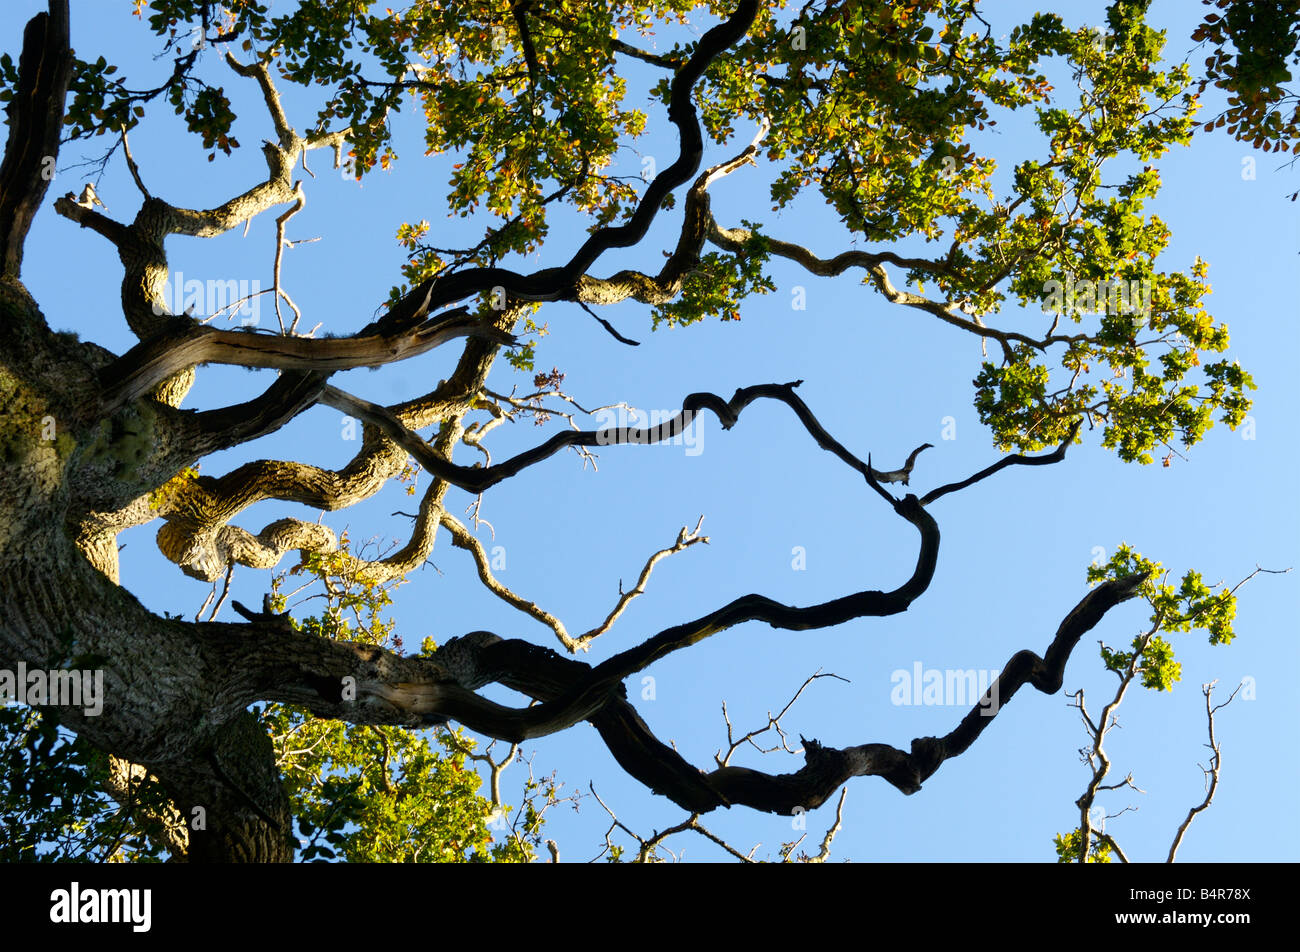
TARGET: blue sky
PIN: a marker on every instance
(881, 379)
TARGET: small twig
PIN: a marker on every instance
(685, 539)
(234, 305)
(300, 201)
(474, 508)
(825, 852)
(198, 616)
(130, 164)
(225, 591)
(616, 823)
(773, 723)
(695, 825)
(610, 327)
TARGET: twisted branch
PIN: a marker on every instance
(477, 479)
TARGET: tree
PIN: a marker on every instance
(880, 111)
(357, 792)
(1253, 48)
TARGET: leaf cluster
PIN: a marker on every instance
(1192, 604)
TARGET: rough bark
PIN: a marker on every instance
(35, 120)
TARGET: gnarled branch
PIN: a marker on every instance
(35, 122)
(477, 479)
(152, 361)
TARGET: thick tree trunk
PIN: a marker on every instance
(165, 705)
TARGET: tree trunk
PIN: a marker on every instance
(60, 459)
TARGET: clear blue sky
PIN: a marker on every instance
(882, 379)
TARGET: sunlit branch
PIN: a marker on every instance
(154, 360)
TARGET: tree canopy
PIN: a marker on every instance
(990, 181)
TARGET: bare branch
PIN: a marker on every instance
(476, 479)
(1211, 772)
(1015, 459)
(134, 169)
(462, 538)
(35, 123)
(685, 539)
(225, 592)
(773, 723)
(825, 853)
(698, 828)
(276, 290)
(152, 361)
(613, 332)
